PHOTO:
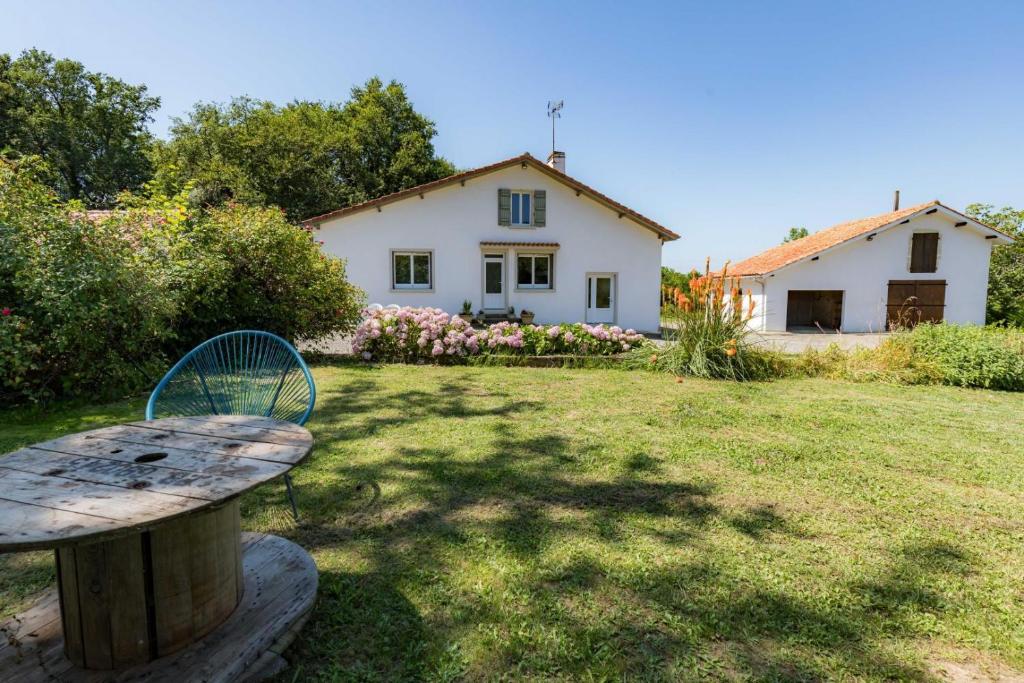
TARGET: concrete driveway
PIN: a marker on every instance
(797, 342)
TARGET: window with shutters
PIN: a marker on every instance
(412, 270)
(533, 271)
(924, 252)
(522, 207)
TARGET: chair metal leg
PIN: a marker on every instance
(291, 496)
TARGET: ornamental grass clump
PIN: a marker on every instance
(430, 334)
(707, 334)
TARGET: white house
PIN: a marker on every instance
(517, 234)
(926, 262)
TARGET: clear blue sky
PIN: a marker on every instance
(727, 122)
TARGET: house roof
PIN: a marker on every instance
(791, 252)
(523, 159)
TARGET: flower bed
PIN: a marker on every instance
(412, 334)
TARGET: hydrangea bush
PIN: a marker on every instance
(411, 334)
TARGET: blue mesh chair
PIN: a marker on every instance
(238, 373)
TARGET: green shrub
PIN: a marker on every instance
(98, 307)
(960, 355)
(241, 267)
(82, 314)
(969, 355)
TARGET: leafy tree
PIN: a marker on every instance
(97, 306)
(1006, 269)
(305, 157)
(243, 267)
(673, 278)
(795, 234)
(89, 127)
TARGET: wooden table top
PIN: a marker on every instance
(124, 479)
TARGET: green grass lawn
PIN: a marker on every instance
(516, 523)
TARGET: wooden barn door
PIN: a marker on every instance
(915, 301)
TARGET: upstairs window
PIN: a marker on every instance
(411, 270)
(924, 252)
(522, 213)
(533, 271)
(522, 208)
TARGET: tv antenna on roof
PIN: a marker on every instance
(554, 112)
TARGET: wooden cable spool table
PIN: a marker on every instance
(153, 571)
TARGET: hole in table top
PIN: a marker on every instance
(233, 445)
(54, 473)
(157, 437)
(139, 484)
(150, 457)
(116, 450)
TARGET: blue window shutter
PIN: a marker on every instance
(540, 208)
(504, 207)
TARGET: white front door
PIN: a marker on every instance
(494, 282)
(600, 298)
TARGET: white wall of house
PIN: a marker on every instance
(862, 271)
(452, 221)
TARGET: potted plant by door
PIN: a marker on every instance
(526, 317)
(467, 311)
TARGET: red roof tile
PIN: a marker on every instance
(518, 244)
(791, 252)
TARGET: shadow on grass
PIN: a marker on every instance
(597, 613)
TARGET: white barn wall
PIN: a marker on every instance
(862, 270)
(452, 221)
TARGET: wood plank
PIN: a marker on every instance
(206, 444)
(214, 593)
(67, 587)
(111, 502)
(252, 421)
(124, 474)
(126, 601)
(92, 609)
(199, 462)
(239, 427)
(170, 546)
(34, 527)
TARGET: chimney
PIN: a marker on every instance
(896, 201)
(556, 160)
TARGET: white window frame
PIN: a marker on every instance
(517, 195)
(533, 271)
(412, 285)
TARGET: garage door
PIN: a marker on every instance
(915, 301)
(814, 308)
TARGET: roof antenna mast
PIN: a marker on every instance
(554, 112)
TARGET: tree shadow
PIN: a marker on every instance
(374, 631)
(411, 516)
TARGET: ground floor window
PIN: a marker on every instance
(412, 270)
(533, 271)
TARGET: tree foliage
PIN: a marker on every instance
(795, 234)
(1006, 269)
(90, 128)
(305, 157)
(99, 306)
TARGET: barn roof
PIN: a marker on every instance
(791, 252)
